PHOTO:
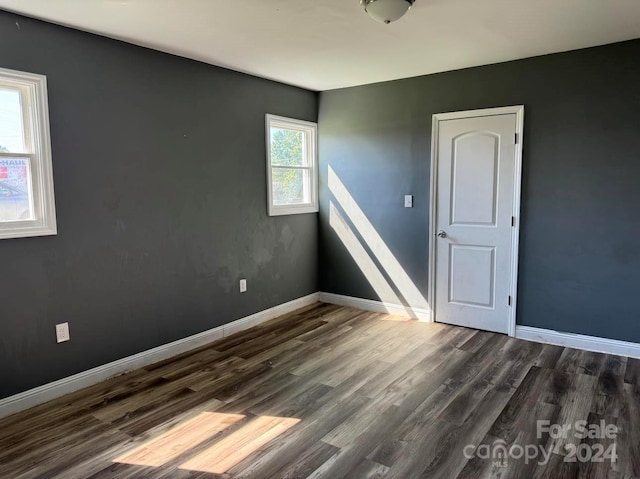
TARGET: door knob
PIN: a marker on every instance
(441, 234)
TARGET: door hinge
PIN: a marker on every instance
(513, 221)
(516, 138)
(509, 300)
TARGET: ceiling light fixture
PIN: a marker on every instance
(386, 11)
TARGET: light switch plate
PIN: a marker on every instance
(408, 201)
(243, 285)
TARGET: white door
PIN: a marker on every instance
(474, 220)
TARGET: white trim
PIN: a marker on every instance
(311, 130)
(518, 110)
(36, 124)
(39, 395)
(376, 306)
(515, 231)
(579, 341)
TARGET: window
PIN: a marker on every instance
(292, 168)
(27, 206)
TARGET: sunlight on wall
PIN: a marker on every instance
(361, 257)
(405, 286)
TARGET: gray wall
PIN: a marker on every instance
(580, 233)
(159, 166)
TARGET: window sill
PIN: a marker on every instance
(292, 210)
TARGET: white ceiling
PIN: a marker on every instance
(327, 44)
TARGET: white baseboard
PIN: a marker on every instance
(47, 392)
(377, 306)
(579, 341)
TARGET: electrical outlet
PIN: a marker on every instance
(243, 285)
(408, 201)
(62, 332)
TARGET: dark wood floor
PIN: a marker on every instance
(337, 393)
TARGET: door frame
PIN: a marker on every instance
(518, 110)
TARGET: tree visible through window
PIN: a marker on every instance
(292, 166)
(287, 150)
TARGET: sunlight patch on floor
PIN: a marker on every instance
(220, 457)
(179, 440)
(231, 450)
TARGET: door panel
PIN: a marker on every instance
(472, 275)
(474, 179)
(475, 197)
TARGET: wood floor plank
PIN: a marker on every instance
(52, 440)
(632, 373)
(522, 431)
(350, 346)
(334, 392)
(101, 463)
(410, 457)
(629, 434)
(522, 401)
(257, 390)
(288, 401)
(422, 419)
(575, 405)
(352, 429)
(548, 357)
(172, 467)
(479, 467)
(476, 341)
(222, 456)
(186, 365)
(291, 445)
(602, 468)
(179, 440)
(30, 440)
(62, 457)
(368, 469)
(310, 459)
(448, 459)
(557, 468)
(471, 395)
(141, 402)
(607, 400)
(30, 424)
(464, 337)
(364, 441)
(425, 357)
(291, 358)
(259, 344)
(570, 361)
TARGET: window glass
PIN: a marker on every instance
(287, 147)
(288, 186)
(16, 203)
(11, 122)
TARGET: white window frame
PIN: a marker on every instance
(35, 114)
(310, 129)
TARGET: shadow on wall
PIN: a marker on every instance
(374, 258)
